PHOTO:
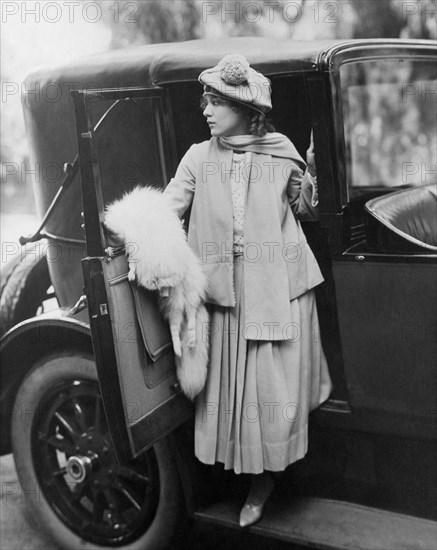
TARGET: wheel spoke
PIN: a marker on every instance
(63, 445)
(127, 493)
(62, 471)
(79, 416)
(130, 473)
(67, 425)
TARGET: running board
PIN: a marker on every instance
(331, 524)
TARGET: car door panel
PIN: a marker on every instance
(387, 315)
(132, 343)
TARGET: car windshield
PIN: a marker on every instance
(389, 115)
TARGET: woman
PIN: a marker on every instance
(267, 369)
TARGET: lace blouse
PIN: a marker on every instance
(239, 177)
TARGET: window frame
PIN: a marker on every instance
(91, 184)
(347, 239)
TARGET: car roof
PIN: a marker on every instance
(184, 61)
(268, 55)
(155, 64)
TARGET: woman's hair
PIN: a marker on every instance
(259, 124)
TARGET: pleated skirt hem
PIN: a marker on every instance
(275, 457)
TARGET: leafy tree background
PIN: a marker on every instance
(173, 20)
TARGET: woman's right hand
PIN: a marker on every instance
(311, 158)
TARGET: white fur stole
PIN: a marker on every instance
(161, 259)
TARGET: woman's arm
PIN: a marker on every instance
(302, 194)
(180, 190)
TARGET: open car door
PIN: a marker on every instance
(125, 139)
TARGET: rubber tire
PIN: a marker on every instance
(51, 371)
(24, 285)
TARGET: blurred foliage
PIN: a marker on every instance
(153, 21)
(377, 19)
(390, 122)
(418, 18)
(150, 21)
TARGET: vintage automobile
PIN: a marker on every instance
(101, 434)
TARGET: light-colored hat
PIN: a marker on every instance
(235, 79)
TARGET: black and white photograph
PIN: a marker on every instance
(218, 300)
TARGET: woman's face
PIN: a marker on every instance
(222, 120)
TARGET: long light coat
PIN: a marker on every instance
(279, 264)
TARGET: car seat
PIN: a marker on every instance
(404, 221)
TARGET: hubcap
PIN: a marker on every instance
(79, 466)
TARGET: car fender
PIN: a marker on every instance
(23, 346)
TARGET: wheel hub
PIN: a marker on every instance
(78, 467)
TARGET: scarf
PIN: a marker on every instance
(272, 143)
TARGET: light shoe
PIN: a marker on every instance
(253, 508)
(250, 514)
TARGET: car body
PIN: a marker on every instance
(104, 124)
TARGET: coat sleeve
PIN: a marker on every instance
(180, 190)
(302, 194)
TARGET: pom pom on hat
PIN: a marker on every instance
(235, 79)
(234, 69)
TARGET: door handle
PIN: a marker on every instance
(79, 305)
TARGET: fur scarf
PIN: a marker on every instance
(161, 259)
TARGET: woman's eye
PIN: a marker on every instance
(215, 102)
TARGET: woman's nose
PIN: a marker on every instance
(207, 111)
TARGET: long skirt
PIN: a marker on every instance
(253, 412)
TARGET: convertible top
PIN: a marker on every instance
(155, 64)
(270, 56)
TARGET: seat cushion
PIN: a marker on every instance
(411, 214)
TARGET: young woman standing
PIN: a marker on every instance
(248, 187)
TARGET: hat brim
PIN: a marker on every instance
(232, 100)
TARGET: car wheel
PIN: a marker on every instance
(25, 284)
(74, 487)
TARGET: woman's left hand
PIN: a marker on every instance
(311, 159)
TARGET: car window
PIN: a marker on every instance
(127, 142)
(389, 117)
